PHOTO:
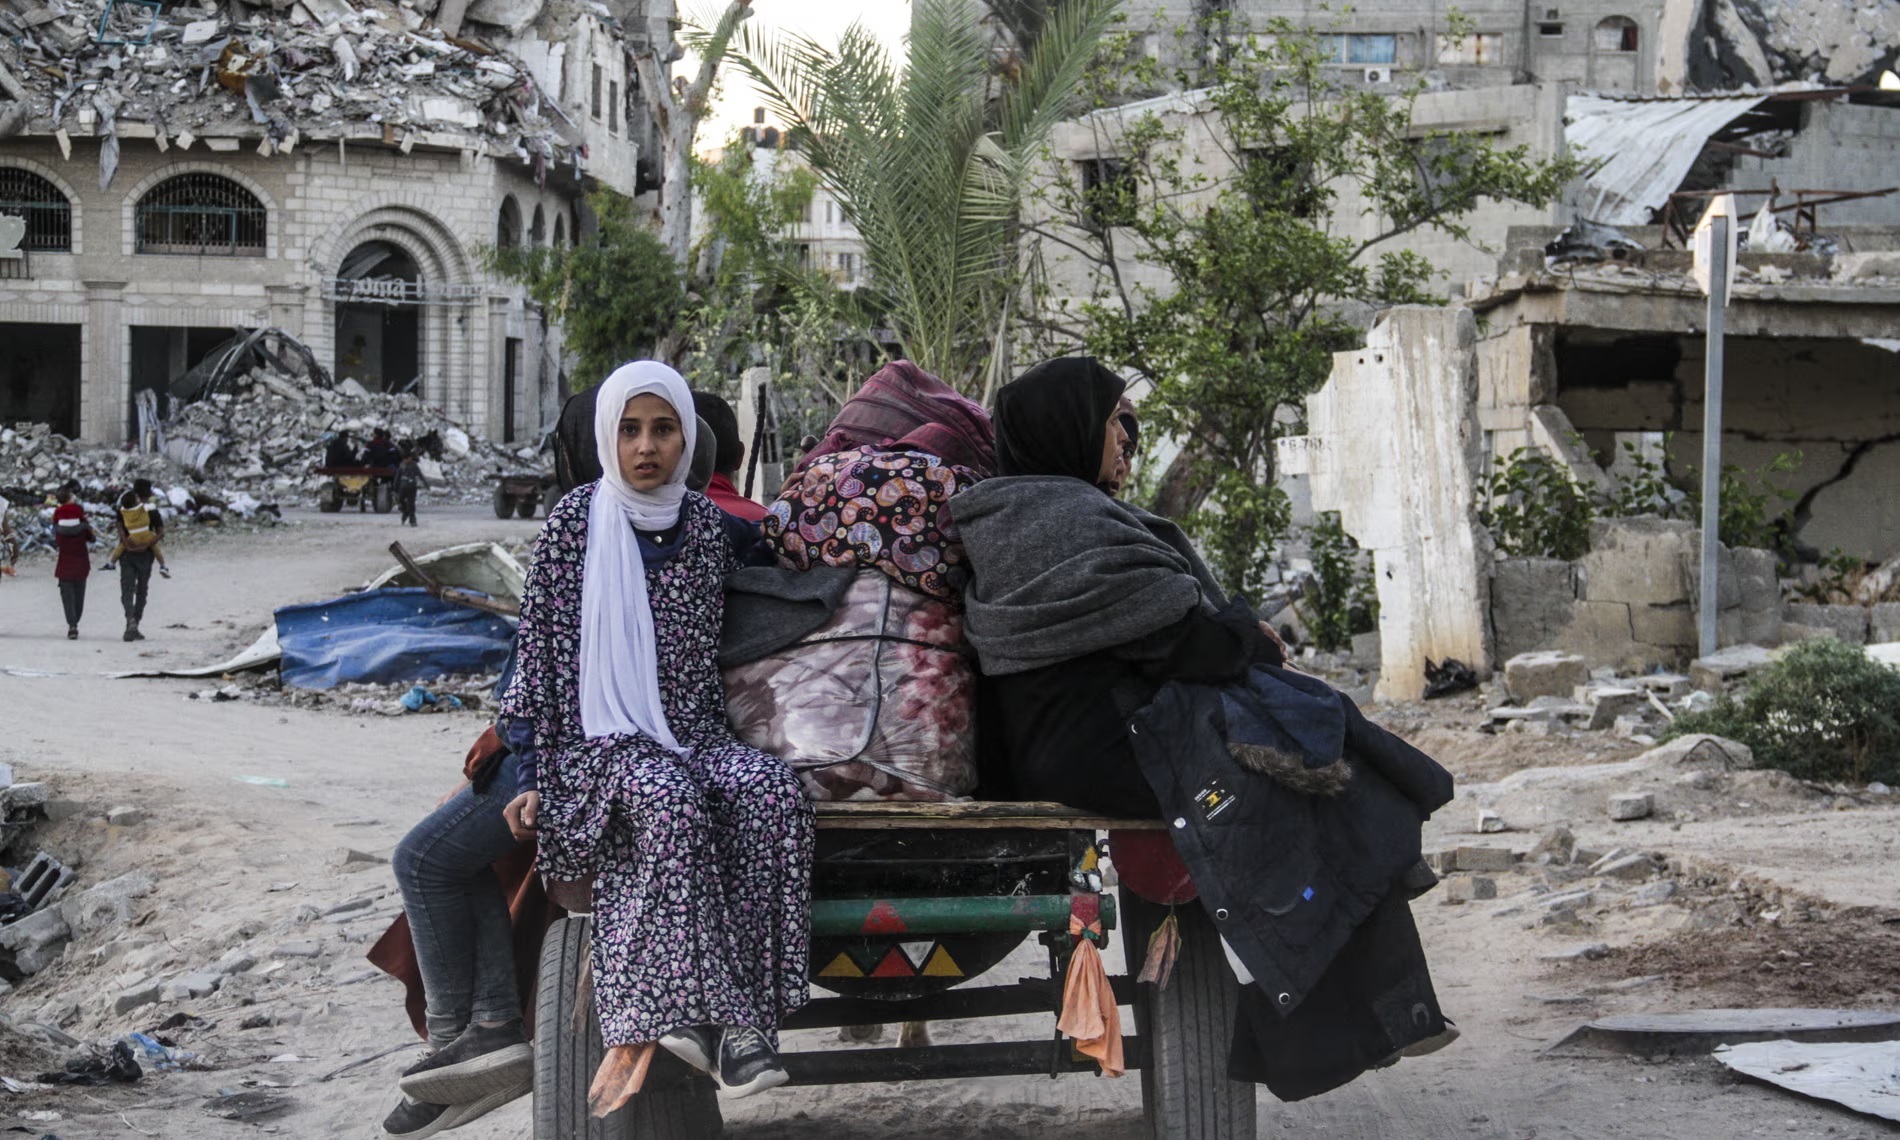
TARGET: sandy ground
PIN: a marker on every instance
(241, 865)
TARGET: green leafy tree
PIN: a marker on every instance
(617, 295)
(931, 160)
(754, 300)
(1261, 278)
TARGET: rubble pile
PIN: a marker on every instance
(1760, 43)
(253, 447)
(268, 434)
(308, 69)
(460, 693)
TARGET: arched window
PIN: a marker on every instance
(508, 224)
(538, 229)
(1616, 33)
(560, 230)
(207, 215)
(49, 216)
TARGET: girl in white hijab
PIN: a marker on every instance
(696, 849)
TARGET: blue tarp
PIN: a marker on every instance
(386, 636)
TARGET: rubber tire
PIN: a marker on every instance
(565, 1060)
(1189, 1027)
(383, 498)
(525, 507)
(504, 504)
(330, 498)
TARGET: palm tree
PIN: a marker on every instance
(931, 162)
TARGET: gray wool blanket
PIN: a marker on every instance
(1059, 570)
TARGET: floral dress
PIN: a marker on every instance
(702, 900)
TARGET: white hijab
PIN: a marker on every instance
(620, 675)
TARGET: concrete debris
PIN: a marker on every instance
(307, 70)
(1556, 847)
(1762, 43)
(1544, 674)
(1718, 670)
(108, 904)
(248, 449)
(1634, 805)
(350, 859)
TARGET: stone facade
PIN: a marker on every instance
(1630, 603)
(106, 317)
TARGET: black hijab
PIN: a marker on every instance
(1051, 420)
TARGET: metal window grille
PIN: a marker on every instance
(49, 216)
(203, 214)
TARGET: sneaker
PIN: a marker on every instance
(110, 566)
(413, 1119)
(136, 635)
(164, 571)
(697, 1045)
(482, 1061)
(72, 633)
(747, 1063)
(131, 631)
(460, 1114)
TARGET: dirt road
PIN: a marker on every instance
(253, 868)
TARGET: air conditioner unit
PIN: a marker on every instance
(1378, 75)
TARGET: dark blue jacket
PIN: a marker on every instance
(1287, 875)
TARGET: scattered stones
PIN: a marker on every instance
(1490, 822)
(354, 904)
(1632, 806)
(349, 859)
(1714, 673)
(197, 984)
(1588, 952)
(1475, 859)
(125, 816)
(1654, 894)
(1556, 847)
(137, 996)
(308, 948)
(1606, 705)
(36, 940)
(1626, 867)
(108, 904)
(1544, 674)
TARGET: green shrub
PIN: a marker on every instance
(1534, 509)
(1343, 600)
(1824, 711)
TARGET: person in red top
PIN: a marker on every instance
(73, 534)
(726, 462)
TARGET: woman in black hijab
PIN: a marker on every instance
(1081, 607)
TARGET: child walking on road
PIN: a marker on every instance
(408, 482)
(73, 535)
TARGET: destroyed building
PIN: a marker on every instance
(336, 169)
(1592, 363)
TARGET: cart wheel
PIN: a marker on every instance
(525, 507)
(384, 498)
(504, 503)
(330, 498)
(672, 1106)
(1189, 1027)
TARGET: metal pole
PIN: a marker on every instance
(1712, 432)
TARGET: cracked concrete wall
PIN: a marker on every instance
(1394, 446)
(1835, 401)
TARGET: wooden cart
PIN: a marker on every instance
(911, 905)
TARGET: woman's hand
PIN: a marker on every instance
(1286, 655)
(523, 814)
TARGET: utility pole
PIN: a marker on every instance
(1715, 272)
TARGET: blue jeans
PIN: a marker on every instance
(464, 942)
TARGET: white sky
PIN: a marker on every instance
(822, 20)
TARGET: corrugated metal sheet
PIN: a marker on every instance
(1646, 147)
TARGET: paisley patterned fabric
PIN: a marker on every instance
(876, 704)
(876, 510)
(703, 861)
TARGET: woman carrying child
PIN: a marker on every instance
(698, 849)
